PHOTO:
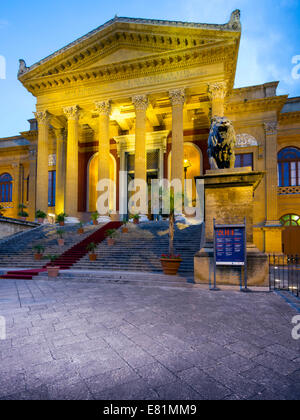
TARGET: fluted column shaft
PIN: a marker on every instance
(32, 185)
(43, 119)
(177, 98)
(60, 170)
(140, 165)
(71, 196)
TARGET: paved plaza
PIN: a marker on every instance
(94, 340)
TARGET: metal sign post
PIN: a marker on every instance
(230, 249)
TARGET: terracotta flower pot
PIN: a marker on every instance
(38, 257)
(111, 241)
(80, 231)
(125, 229)
(61, 242)
(61, 223)
(52, 271)
(95, 222)
(93, 257)
(170, 266)
(136, 221)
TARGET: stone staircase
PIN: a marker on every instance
(17, 252)
(140, 249)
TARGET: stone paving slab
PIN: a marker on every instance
(76, 340)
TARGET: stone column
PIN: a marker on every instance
(273, 228)
(177, 98)
(71, 196)
(217, 93)
(140, 167)
(16, 188)
(60, 135)
(104, 110)
(43, 119)
(32, 185)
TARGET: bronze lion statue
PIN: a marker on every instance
(221, 143)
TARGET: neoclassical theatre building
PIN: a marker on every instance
(138, 95)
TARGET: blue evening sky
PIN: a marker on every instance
(33, 29)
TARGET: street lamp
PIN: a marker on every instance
(186, 165)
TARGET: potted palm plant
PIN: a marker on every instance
(60, 233)
(171, 262)
(52, 269)
(41, 216)
(60, 219)
(39, 250)
(91, 249)
(111, 235)
(95, 217)
(124, 227)
(80, 229)
(22, 213)
(136, 219)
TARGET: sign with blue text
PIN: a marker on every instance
(230, 245)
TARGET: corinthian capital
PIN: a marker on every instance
(140, 102)
(177, 96)
(43, 117)
(103, 107)
(72, 112)
(217, 90)
(271, 127)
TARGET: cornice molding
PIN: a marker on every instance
(289, 117)
(140, 67)
(85, 45)
(274, 103)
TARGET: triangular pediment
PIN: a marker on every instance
(122, 54)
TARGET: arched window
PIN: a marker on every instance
(5, 188)
(289, 167)
(290, 220)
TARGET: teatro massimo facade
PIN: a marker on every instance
(138, 95)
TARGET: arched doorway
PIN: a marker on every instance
(194, 160)
(92, 175)
(291, 234)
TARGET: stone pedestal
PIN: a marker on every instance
(228, 200)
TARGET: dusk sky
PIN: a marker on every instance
(33, 29)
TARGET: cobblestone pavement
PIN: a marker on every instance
(68, 340)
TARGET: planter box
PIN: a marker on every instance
(52, 271)
(170, 266)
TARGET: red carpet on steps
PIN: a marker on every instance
(68, 258)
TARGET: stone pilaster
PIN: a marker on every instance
(217, 93)
(140, 104)
(16, 196)
(43, 119)
(60, 134)
(71, 195)
(32, 184)
(177, 98)
(272, 229)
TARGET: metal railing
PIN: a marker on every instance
(284, 273)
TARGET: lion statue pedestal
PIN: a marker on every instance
(228, 200)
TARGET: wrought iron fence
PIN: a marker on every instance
(284, 273)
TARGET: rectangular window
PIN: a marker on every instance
(243, 160)
(51, 188)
